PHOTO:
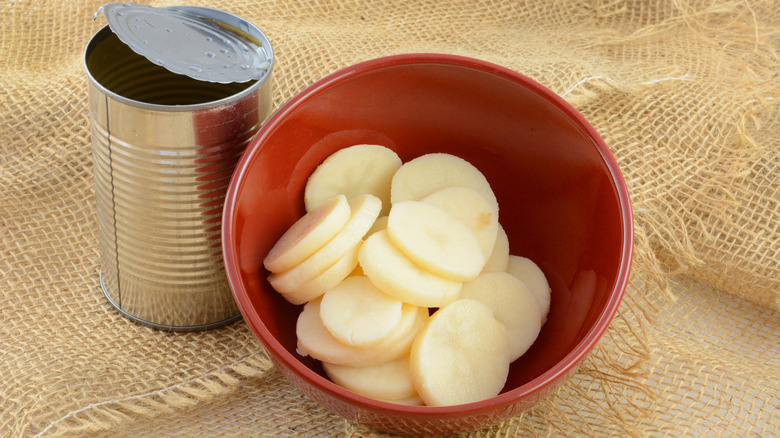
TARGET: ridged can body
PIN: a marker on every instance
(164, 148)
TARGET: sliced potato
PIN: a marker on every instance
(386, 381)
(512, 304)
(460, 356)
(395, 274)
(357, 313)
(365, 210)
(499, 258)
(435, 240)
(471, 209)
(308, 234)
(368, 281)
(430, 173)
(529, 273)
(332, 276)
(316, 341)
(400, 342)
(353, 171)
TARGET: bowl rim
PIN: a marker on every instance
(567, 364)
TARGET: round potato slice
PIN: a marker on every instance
(332, 276)
(386, 381)
(357, 313)
(395, 274)
(365, 210)
(460, 356)
(316, 341)
(353, 171)
(430, 173)
(435, 240)
(471, 209)
(512, 304)
(529, 273)
(400, 342)
(499, 258)
(308, 234)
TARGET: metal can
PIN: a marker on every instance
(175, 95)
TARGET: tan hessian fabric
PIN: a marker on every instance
(684, 93)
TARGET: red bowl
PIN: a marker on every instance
(563, 200)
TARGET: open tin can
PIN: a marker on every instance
(175, 95)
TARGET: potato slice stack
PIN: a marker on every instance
(385, 244)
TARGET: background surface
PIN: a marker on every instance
(684, 93)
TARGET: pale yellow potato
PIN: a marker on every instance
(412, 258)
(400, 342)
(332, 276)
(353, 171)
(316, 341)
(357, 313)
(386, 381)
(394, 273)
(365, 210)
(379, 224)
(529, 273)
(512, 304)
(499, 258)
(471, 209)
(435, 240)
(430, 173)
(460, 356)
(308, 234)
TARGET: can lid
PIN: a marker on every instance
(202, 43)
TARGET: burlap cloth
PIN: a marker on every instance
(684, 92)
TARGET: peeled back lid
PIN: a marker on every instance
(202, 43)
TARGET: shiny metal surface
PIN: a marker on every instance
(164, 148)
(203, 43)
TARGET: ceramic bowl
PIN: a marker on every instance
(563, 203)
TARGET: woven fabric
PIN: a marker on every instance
(684, 93)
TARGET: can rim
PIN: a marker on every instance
(106, 31)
